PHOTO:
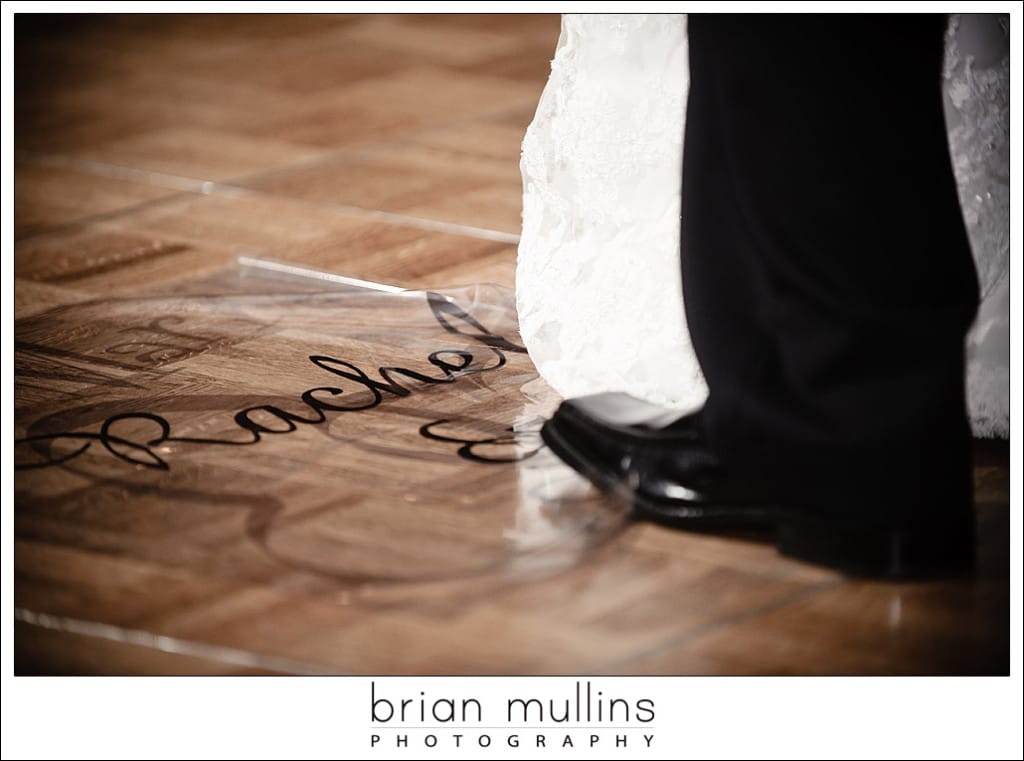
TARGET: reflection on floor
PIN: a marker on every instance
(411, 534)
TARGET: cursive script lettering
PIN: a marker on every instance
(476, 450)
(268, 419)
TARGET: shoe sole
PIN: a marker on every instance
(941, 549)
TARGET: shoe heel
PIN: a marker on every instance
(941, 548)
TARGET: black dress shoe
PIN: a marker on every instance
(661, 461)
(657, 458)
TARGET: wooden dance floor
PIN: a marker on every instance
(223, 467)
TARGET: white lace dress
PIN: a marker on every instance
(598, 287)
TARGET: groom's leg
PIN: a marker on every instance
(826, 269)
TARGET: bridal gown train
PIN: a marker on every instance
(597, 284)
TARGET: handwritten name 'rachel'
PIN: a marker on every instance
(267, 419)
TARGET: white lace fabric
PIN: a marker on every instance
(598, 286)
(977, 91)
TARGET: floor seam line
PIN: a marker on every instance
(231, 188)
(167, 644)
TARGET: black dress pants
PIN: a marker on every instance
(827, 273)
